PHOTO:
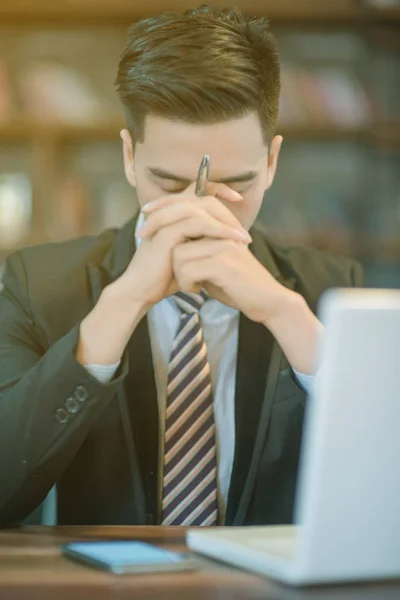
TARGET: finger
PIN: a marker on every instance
(200, 249)
(192, 275)
(224, 192)
(217, 190)
(177, 212)
(194, 227)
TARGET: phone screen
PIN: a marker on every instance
(127, 556)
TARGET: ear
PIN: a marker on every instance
(127, 147)
(273, 159)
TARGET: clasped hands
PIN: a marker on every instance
(189, 243)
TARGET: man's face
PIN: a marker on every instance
(168, 160)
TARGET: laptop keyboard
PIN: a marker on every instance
(283, 547)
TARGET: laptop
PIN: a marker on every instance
(347, 510)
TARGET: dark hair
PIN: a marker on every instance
(205, 65)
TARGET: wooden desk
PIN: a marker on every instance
(32, 567)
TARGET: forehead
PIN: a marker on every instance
(179, 147)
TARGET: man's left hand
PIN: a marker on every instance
(229, 272)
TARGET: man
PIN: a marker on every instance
(158, 374)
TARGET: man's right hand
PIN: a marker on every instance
(106, 330)
(149, 277)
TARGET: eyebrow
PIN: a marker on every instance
(158, 172)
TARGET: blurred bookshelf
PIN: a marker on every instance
(124, 11)
(384, 133)
(338, 181)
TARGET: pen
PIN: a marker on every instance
(201, 181)
(202, 177)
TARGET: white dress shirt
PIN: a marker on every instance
(220, 325)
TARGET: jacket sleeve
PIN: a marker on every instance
(48, 402)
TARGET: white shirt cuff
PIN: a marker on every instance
(307, 382)
(103, 373)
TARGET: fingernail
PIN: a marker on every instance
(149, 206)
(237, 195)
(244, 236)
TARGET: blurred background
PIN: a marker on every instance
(338, 182)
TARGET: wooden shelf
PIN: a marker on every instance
(366, 249)
(362, 248)
(385, 134)
(369, 249)
(324, 133)
(388, 14)
(124, 12)
(30, 131)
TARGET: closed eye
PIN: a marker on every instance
(173, 191)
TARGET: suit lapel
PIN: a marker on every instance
(141, 394)
(255, 349)
(254, 354)
(138, 394)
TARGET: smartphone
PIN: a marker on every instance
(129, 557)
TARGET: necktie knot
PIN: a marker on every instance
(189, 303)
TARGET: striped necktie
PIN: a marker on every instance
(190, 467)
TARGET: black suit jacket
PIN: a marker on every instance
(104, 457)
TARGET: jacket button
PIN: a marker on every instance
(72, 405)
(61, 415)
(81, 393)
